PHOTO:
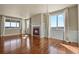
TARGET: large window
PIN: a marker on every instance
(12, 24)
(57, 20)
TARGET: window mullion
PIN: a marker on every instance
(10, 23)
(16, 24)
(57, 21)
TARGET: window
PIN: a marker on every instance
(60, 21)
(7, 24)
(12, 24)
(57, 20)
(17, 24)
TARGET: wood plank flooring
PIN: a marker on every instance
(33, 45)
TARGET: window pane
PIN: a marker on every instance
(7, 24)
(53, 21)
(17, 24)
(13, 24)
(60, 21)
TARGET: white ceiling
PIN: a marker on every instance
(27, 10)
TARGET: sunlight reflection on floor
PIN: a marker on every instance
(71, 48)
(28, 43)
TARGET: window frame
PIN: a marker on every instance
(11, 22)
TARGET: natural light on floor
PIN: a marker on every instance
(71, 48)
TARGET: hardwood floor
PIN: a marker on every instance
(34, 45)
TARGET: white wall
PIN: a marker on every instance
(27, 30)
(23, 26)
(73, 24)
(46, 25)
(36, 19)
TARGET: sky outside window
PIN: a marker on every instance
(57, 20)
(60, 21)
(53, 21)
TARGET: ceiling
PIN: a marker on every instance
(27, 10)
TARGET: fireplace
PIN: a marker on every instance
(36, 31)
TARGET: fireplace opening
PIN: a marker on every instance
(36, 31)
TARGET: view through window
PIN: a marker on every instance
(57, 21)
(12, 24)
